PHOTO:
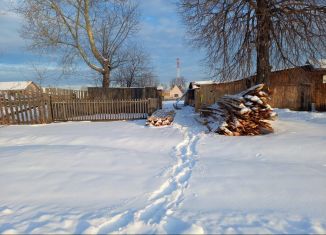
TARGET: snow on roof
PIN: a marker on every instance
(197, 84)
(204, 82)
(321, 64)
(21, 85)
(160, 87)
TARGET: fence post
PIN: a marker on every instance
(50, 110)
(152, 105)
(160, 95)
(2, 108)
(11, 106)
(64, 110)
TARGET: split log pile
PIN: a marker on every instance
(161, 118)
(246, 113)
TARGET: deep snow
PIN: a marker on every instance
(110, 177)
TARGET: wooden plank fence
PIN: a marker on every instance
(123, 93)
(24, 108)
(65, 94)
(296, 89)
(38, 108)
(101, 110)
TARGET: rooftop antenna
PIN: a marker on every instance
(175, 105)
(178, 68)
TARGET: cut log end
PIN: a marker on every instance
(244, 114)
(161, 118)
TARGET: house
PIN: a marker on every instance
(299, 88)
(176, 92)
(173, 94)
(166, 94)
(19, 86)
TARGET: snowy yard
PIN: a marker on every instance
(111, 177)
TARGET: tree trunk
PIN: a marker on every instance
(263, 41)
(106, 79)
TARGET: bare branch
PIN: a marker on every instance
(244, 37)
(96, 30)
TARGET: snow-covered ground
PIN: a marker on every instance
(123, 177)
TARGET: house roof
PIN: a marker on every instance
(18, 85)
(197, 84)
(160, 87)
(177, 87)
(204, 82)
(318, 64)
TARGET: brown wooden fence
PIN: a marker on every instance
(38, 108)
(295, 89)
(24, 108)
(100, 110)
(67, 94)
(123, 93)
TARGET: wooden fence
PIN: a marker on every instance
(100, 110)
(24, 108)
(123, 93)
(295, 97)
(66, 94)
(295, 89)
(38, 108)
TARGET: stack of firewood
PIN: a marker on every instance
(246, 113)
(161, 118)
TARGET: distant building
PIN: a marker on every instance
(19, 86)
(166, 94)
(172, 94)
(176, 92)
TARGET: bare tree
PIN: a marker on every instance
(136, 70)
(148, 79)
(246, 36)
(180, 82)
(40, 74)
(93, 30)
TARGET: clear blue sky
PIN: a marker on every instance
(161, 33)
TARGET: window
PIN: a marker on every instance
(176, 95)
(324, 78)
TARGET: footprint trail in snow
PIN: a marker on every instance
(156, 216)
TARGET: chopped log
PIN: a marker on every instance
(161, 117)
(246, 113)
